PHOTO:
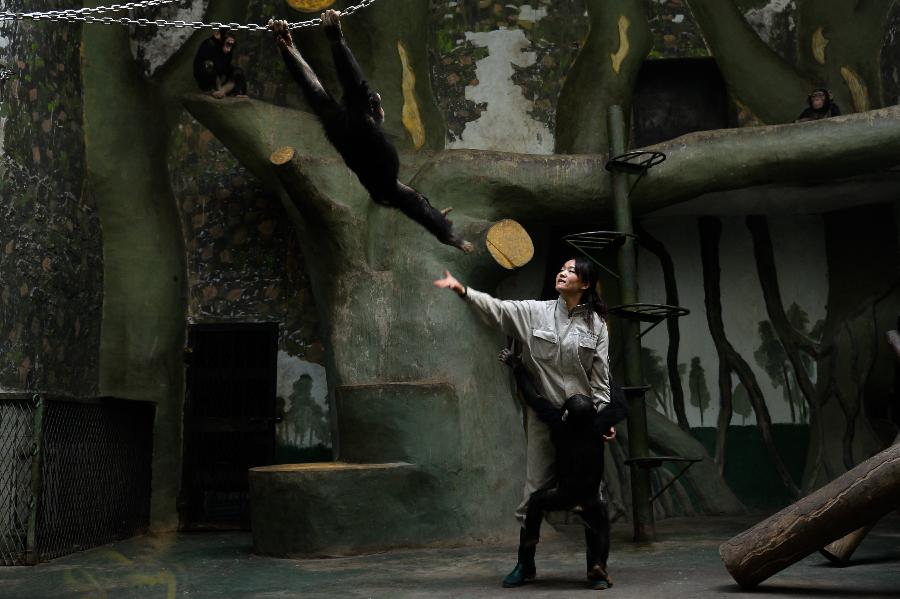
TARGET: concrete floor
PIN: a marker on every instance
(684, 563)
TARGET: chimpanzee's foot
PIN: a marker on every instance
(446, 211)
(509, 358)
(458, 242)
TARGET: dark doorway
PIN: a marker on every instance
(677, 96)
(229, 420)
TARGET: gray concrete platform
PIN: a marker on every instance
(684, 563)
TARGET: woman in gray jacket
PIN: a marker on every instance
(566, 347)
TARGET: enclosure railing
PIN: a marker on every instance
(74, 474)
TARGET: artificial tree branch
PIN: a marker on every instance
(494, 185)
(770, 87)
(337, 229)
(252, 130)
(175, 76)
(603, 74)
(841, 43)
(520, 186)
(803, 152)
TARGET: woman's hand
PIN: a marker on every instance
(450, 282)
(610, 435)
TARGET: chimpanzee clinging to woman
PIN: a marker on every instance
(565, 347)
(354, 129)
(577, 431)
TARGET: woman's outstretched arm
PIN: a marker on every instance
(513, 318)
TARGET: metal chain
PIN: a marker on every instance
(97, 9)
(84, 15)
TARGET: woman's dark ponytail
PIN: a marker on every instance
(589, 273)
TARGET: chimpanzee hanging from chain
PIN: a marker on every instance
(354, 128)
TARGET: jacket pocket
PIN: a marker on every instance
(544, 344)
(587, 347)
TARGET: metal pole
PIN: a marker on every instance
(31, 554)
(638, 445)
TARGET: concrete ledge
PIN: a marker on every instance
(339, 508)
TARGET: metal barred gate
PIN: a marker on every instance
(74, 474)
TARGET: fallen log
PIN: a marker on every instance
(853, 500)
(840, 551)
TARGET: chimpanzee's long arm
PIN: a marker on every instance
(317, 96)
(349, 73)
(545, 410)
(417, 207)
(614, 412)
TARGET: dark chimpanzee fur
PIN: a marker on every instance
(212, 65)
(576, 431)
(354, 128)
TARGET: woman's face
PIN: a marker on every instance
(567, 281)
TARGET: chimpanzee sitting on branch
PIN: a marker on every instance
(213, 70)
(821, 106)
(576, 431)
(354, 129)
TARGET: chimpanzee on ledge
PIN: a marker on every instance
(354, 128)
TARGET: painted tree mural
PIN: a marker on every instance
(656, 375)
(698, 387)
(772, 358)
(741, 402)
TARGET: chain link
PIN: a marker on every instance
(86, 15)
(100, 9)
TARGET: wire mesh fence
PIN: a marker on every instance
(16, 448)
(87, 466)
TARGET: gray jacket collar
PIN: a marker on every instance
(576, 311)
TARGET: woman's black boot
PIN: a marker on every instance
(525, 569)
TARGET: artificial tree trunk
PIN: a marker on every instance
(841, 42)
(127, 121)
(759, 78)
(839, 47)
(603, 74)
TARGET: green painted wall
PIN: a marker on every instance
(749, 471)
